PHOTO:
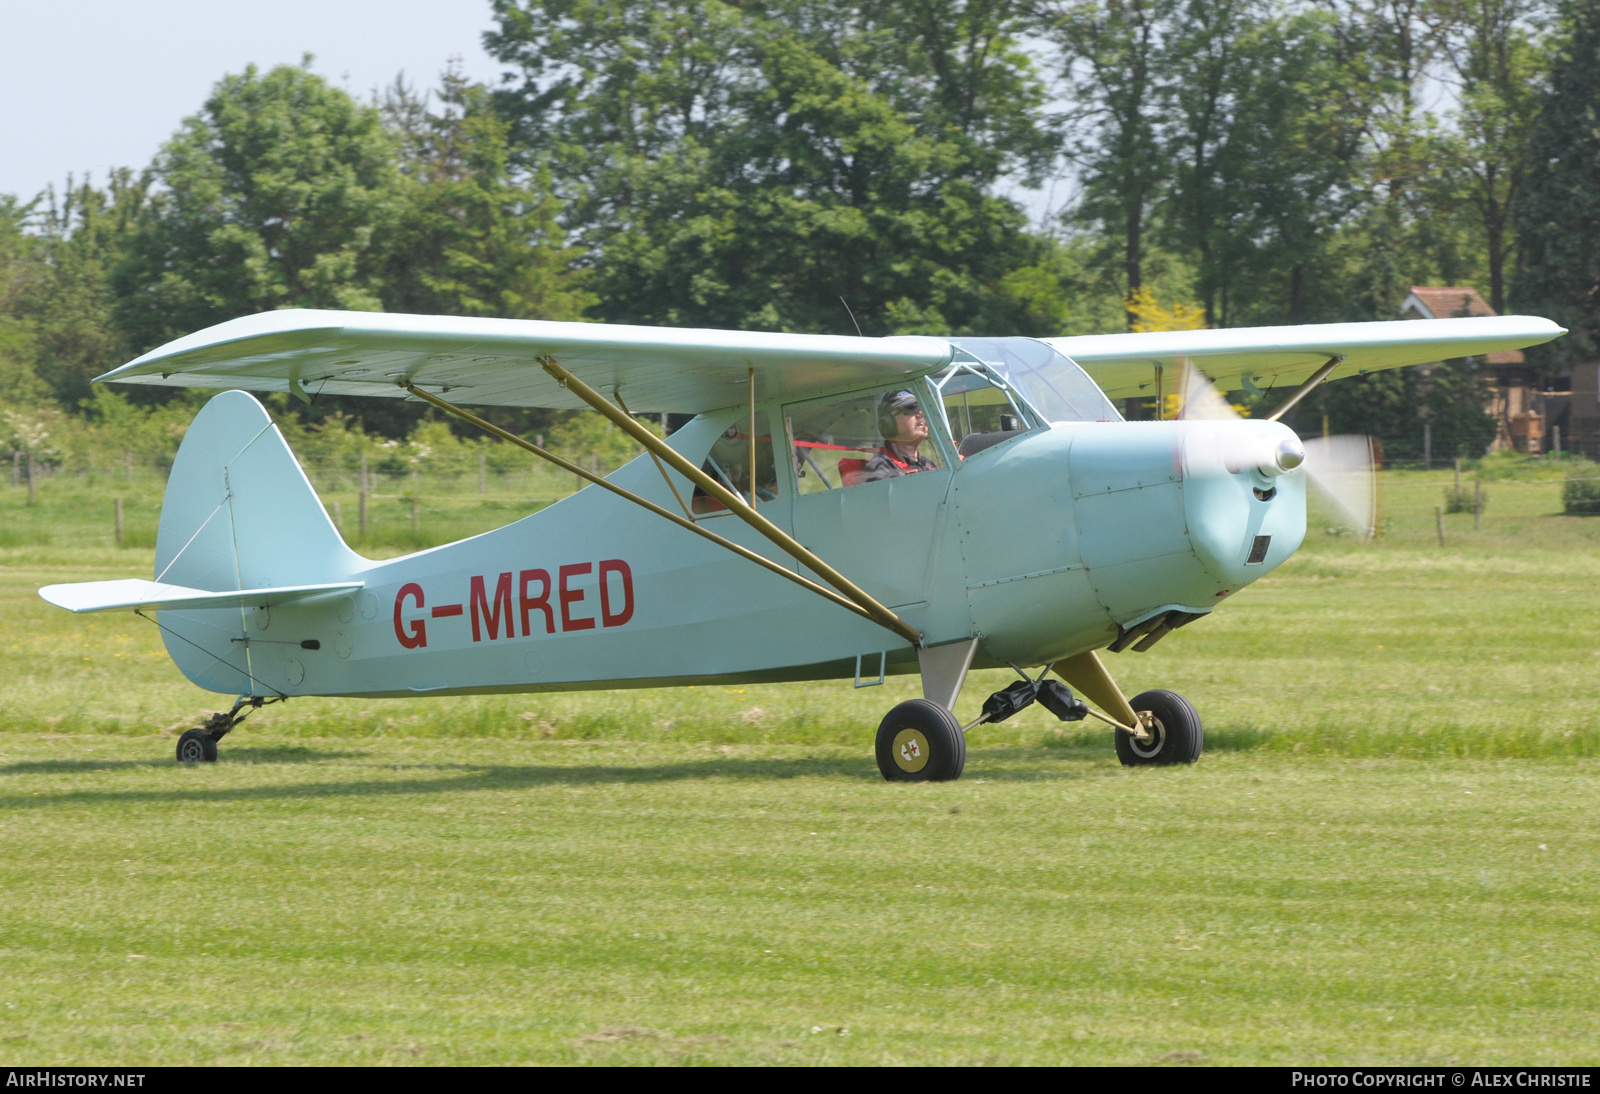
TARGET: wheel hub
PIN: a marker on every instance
(910, 750)
(1158, 738)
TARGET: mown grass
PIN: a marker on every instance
(1388, 854)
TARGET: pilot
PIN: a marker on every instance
(905, 428)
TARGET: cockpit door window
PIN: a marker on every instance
(855, 439)
(978, 408)
(729, 464)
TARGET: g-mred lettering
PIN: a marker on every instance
(496, 615)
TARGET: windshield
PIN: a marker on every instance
(1058, 389)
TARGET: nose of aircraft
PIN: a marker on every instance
(1290, 454)
(1244, 496)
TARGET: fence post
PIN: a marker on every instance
(127, 467)
(483, 482)
(16, 467)
(361, 495)
(1438, 519)
(1477, 506)
(1427, 445)
(30, 477)
(416, 523)
(338, 516)
(1555, 446)
(119, 521)
(1458, 478)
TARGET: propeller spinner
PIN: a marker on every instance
(1340, 468)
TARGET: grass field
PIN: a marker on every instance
(1390, 852)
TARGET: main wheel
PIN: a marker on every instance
(1176, 725)
(197, 746)
(919, 741)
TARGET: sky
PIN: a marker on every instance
(99, 84)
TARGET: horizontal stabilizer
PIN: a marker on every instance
(130, 593)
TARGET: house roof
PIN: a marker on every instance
(1454, 302)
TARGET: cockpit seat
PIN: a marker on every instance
(973, 443)
(851, 470)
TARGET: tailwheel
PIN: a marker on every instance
(921, 741)
(197, 746)
(1174, 728)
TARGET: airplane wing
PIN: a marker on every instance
(1124, 364)
(494, 362)
(132, 593)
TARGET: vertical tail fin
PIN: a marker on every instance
(239, 514)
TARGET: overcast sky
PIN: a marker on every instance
(99, 84)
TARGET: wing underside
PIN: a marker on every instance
(495, 362)
(1234, 359)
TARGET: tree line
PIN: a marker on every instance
(807, 166)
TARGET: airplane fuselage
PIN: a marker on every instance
(1054, 542)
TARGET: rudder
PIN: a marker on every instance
(239, 513)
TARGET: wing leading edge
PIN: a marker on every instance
(494, 362)
(1124, 364)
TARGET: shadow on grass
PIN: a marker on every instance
(997, 765)
(286, 754)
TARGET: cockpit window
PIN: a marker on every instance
(729, 464)
(1058, 389)
(979, 410)
(855, 439)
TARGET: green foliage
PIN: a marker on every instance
(1465, 499)
(85, 236)
(748, 166)
(472, 236)
(1580, 493)
(1389, 406)
(276, 194)
(1558, 214)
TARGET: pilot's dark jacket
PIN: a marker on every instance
(889, 464)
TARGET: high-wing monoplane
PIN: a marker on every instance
(837, 508)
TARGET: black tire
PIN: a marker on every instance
(1179, 738)
(919, 741)
(197, 746)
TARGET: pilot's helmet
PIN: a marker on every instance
(896, 402)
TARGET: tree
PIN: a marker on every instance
(84, 235)
(1111, 55)
(18, 382)
(275, 195)
(1290, 166)
(749, 165)
(1558, 210)
(1496, 59)
(469, 237)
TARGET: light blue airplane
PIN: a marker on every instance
(837, 508)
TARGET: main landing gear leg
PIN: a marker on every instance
(920, 740)
(1170, 731)
(199, 746)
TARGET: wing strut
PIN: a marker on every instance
(566, 465)
(1305, 389)
(747, 513)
